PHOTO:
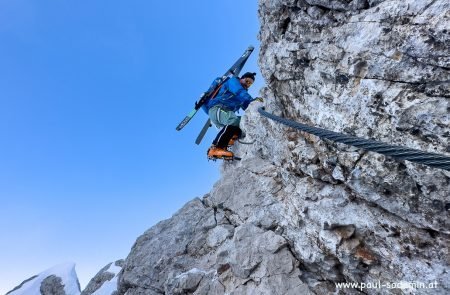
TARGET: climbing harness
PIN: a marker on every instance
(398, 153)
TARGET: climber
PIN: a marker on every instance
(231, 97)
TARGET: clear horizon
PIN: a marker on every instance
(91, 95)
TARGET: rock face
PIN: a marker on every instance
(298, 215)
(203, 250)
(374, 69)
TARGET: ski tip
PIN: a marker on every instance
(251, 48)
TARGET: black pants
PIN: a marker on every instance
(223, 137)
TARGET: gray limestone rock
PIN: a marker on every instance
(168, 249)
(52, 285)
(192, 254)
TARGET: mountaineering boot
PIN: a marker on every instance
(215, 152)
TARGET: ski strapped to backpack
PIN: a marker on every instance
(233, 71)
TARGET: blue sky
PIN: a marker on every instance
(91, 93)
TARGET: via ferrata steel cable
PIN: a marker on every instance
(396, 152)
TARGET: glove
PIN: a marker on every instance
(260, 99)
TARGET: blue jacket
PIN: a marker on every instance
(232, 96)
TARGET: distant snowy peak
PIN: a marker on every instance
(58, 280)
(105, 281)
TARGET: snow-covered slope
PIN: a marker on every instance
(58, 280)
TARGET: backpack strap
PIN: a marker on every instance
(216, 91)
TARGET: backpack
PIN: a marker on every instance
(213, 89)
